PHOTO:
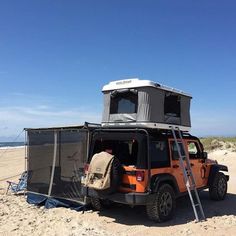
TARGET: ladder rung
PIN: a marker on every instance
(197, 205)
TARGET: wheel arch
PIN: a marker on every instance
(160, 179)
(214, 169)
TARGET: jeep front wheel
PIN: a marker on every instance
(218, 187)
(163, 206)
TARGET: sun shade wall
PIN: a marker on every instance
(56, 160)
(154, 105)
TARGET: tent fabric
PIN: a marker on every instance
(40, 159)
(36, 199)
(56, 161)
(150, 108)
(124, 117)
(185, 111)
(53, 203)
(154, 100)
(48, 202)
(106, 107)
(144, 111)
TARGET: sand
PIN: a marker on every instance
(17, 217)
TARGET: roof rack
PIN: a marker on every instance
(148, 125)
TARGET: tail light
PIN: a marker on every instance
(86, 167)
(140, 176)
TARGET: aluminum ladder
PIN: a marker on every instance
(188, 175)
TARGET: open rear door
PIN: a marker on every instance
(56, 158)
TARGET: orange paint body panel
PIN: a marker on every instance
(200, 171)
(131, 180)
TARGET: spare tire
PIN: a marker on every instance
(116, 177)
(116, 174)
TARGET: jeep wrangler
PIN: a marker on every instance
(146, 170)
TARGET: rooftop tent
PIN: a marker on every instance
(56, 158)
(145, 103)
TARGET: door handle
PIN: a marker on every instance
(191, 164)
(175, 166)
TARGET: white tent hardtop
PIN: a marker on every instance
(137, 83)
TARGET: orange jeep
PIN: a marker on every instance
(146, 170)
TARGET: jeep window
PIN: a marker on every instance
(125, 150)
(193, 150)
(172, 105)
(159, 154)
(174, 150)
(126, 102)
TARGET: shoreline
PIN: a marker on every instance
(12, 147)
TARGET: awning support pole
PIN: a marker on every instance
(53, 163)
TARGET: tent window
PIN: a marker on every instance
(124, 103)
(172, 105)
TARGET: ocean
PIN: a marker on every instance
(4, 145)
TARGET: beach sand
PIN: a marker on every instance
(17, 217)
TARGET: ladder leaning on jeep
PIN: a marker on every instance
(188, 175)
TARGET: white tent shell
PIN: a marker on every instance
(144, 103)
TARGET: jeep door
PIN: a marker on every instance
(175, 165)
(196, 161)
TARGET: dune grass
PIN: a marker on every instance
(212, 143)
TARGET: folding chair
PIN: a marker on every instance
(20, 186)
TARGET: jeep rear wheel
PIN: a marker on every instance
(100, 204)
(218, 188)
(163, 206)
(96, 204)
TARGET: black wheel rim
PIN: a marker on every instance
(166, 204)
(222, 186)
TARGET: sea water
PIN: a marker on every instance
(5, 145)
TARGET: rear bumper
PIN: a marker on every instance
(124, 198)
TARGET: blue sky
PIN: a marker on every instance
(55, 56)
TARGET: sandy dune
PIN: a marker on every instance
(19, 218)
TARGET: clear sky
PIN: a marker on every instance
(55, 56)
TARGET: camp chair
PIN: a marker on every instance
(20, 186)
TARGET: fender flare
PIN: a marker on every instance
(158, 179)
(214, 169)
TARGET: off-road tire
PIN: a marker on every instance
(96, 204)
(116, 177)
(100, 204)
(163, 206)
(218, 187)
(116, 174)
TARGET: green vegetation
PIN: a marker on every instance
(213, 143)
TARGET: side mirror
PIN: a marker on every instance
(205, 155)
